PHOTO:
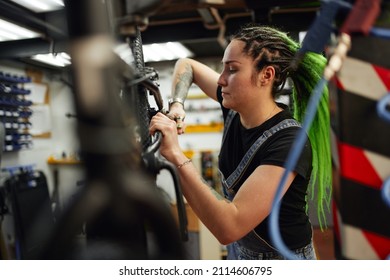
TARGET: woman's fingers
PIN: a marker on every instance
(161, 122)
(160, 119)
(180, 126)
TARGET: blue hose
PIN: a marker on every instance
(321, 29)
(381, 107)
(380, 32)
(292, 159)
(386, 191)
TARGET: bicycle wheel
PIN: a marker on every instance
(140, 95)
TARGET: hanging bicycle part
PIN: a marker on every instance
(119, 204)
(130, 27)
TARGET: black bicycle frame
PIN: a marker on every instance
(119, 204)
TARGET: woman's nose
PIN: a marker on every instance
(221, 80)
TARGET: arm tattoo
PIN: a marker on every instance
(184, 81)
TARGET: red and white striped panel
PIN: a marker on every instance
(372, 82)
(364, 79)
(361, 165)
(359, 244)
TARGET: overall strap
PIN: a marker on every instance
(228, 121)
(232, 180)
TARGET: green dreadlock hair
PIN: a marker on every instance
(270, 46)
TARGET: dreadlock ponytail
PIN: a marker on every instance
(305, 78)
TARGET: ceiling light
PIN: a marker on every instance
(59, 59)
(165, 51)
(152, 53)
(302, 36)
(41, 5)
(10, 31)
(124, 51)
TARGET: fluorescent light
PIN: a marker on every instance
(7, 36)
(41, 5)
(153, 52)
(165, 51)
(10, 31)
(179, 50)
(59, 59)
(302, 35)
(124, 51)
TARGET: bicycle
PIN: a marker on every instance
(119, 205)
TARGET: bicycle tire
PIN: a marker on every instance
(142, 107)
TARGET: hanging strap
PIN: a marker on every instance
(232, 180)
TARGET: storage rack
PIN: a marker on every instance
(15, 111)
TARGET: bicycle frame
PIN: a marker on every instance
(119, 204)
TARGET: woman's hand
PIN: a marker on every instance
(177, 113)
(169, 147)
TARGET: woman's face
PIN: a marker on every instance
(237, 77)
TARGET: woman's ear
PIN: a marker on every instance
(267, 75)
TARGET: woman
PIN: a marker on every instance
(256, 64)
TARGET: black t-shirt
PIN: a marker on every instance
(294, 223)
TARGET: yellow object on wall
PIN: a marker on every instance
(204, 128)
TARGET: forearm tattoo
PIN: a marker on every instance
(184, 81)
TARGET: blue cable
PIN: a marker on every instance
(319, 32)
(380, 32)
(315, 41)
(385, 114)
(386, 191)
(386, 196)
(292, 159)
(381, 107)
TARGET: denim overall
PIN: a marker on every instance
(252, 246)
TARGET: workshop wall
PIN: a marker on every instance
(58, 142)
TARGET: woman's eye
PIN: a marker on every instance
(231, 70)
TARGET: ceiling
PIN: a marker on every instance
(201, 25)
